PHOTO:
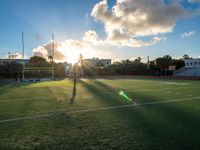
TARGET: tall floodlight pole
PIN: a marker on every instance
(23, 49)
(148, 62)
(75, 70)
(53, 76)
(23, 55)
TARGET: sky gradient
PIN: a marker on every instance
(106, 29)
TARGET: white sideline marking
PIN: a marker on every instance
(21, 99)
(96, 109)
(175, 83)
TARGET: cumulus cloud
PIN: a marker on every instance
(14, 56)
(68, 50)
(117, 38)
(103, 53)
(91, 36)
(130, 19)
(136, 43)
(138, 17)
(60, 49)
(188, 34)
(47, 50)
(194, 1)
(125, 24)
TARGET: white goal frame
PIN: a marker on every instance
(38, 70)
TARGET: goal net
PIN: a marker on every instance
(38, 74)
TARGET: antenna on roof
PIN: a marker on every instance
(148, 62)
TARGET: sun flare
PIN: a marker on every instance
(73, 53)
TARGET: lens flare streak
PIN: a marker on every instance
(123, 94)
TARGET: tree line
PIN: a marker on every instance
(156, 67)
(14, 70)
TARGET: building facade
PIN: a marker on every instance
(96, 62)
(191, 69)
(13, 61)
(68, 69)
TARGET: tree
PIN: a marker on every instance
(167, 61)
(179, 63)
(37, 61)
(10, 70)
(185, 57)
(164, 62)
(153, 67)
(59, 70)
(138, 59)
(50, 58)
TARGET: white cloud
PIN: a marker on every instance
(136, 43)
(69, 50)
(188, 34)
(103, 53)
(194, 1)
(47, 50)
(125, 23)
(129, 19)
(91, 37)
(14, 56)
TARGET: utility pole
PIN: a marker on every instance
(53, 75)
(23, 55)
(23, 49)
(147, 62)
(75, 70)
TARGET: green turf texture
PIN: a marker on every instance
(171, 126)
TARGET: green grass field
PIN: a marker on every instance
(163, 114)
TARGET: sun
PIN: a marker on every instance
(73, 53)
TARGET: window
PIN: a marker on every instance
(191, 63)
(187, 64)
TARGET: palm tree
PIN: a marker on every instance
(50, 57)
(167, 61)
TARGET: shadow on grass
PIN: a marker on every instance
(98, 89)
(165, 126)
(162, 126)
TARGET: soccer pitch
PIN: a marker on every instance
(160, 114)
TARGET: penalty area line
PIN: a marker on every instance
(97, 109)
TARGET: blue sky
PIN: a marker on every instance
(70, 20)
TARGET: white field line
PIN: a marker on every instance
(22, 99)
(97, 109)
(98, 93)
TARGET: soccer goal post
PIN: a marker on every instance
(38, 74)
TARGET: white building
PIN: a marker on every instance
(68, 69)
(13, 61)
(96, 62)
(191, 69)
